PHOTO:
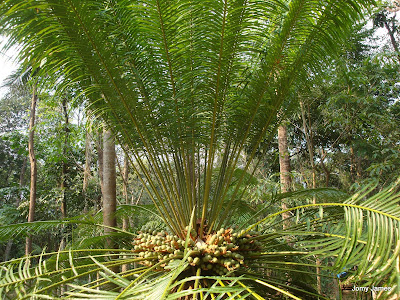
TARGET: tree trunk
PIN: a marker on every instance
(284, 168)
(101, 168)
(125, 175)
(7, 251)
(64, 171)
(109, 190)
(353, 166)
(87, 172)
(21, 182)
(32, 159)
(310, 146)
(109, 186)
(391, 32)
(310, 142)
(125, 221)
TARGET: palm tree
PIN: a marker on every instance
(192, 88)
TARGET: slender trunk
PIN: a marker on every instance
(109, 190)
(100, 170)
(310, 145)
(285, 179)
(21, 181)
(352, 165)
(32, 159)
(138, 198)
(7, 251)
(192, 177)
(125, 175)
(109, 186)
(64, 171)
(125, 221)
(392, 38)
(86, 172)
(284, 168)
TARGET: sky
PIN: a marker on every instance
(7, 66)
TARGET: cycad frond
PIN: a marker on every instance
(354, 233)
(23, 229)
(187, 86)
(192, 89)
(365, 235)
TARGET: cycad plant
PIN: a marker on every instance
(194, 91)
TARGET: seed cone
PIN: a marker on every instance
(220, 252)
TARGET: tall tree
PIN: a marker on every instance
(125, 179)
(109, 186)
(64, 169)
(87, 168)
(284, 168)
(309, 136)
(391, 24)
(33, 166)
(100, 161)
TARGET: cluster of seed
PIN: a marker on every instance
(220, 252)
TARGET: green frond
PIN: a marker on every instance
(126, 210)
(366, 235)
(186, 86)
(23, 229)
